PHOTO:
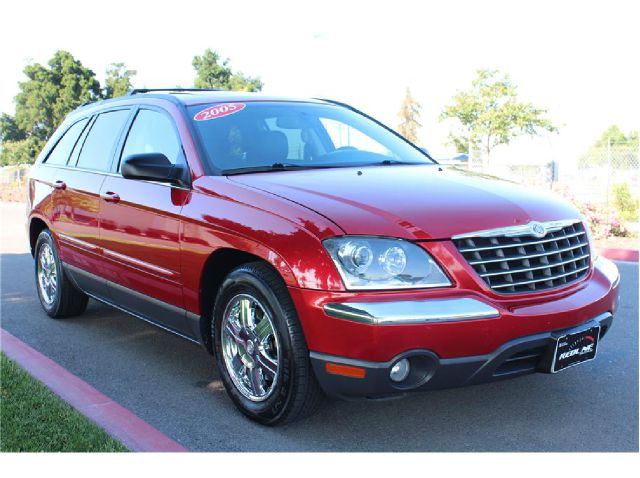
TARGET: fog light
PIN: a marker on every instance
(400, 370)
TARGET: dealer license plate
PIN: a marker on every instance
(575, 348)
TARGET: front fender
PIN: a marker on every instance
(284, 234)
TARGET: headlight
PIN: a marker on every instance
(378, 263)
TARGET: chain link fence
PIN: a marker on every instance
(602, 171)
(593, 178)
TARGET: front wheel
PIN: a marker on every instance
(260, 349)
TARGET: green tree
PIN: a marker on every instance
(9, 130)
(20, 152)
(46, 97)
(51, 93)
(212, 72)
(613, 134)
(409, 115)
(489, 114)
(118, 81)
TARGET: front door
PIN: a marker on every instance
(140, 228)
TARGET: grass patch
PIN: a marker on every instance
(32, 418)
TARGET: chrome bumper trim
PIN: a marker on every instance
(412, 311)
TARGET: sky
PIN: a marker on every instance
(579, 60)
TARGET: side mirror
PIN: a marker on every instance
(154, 167)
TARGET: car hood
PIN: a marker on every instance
(412, 202)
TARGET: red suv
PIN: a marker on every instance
(309, 248)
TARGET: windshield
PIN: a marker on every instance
(263, 136)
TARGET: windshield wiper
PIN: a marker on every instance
(280, 166)
(396, 162)
(266, 168)
(297, 167)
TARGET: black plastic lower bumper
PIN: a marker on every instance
(517, 357)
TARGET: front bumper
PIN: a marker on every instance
(457, 335)
(517, 357)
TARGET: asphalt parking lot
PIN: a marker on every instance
(172, 384)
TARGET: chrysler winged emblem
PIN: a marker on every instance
(537, 229)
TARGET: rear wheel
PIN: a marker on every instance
(260, 349)
(58, 296)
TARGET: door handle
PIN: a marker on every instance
(110, 196)
(60, 185)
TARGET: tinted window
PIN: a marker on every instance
(97, 151)
(78, 147)
(62, 150)
(152, 132)
(267, 136)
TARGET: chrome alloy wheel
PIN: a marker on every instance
(250, 347)
(47, 274)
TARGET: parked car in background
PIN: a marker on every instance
(310, 249)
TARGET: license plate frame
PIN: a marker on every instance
(575, 348)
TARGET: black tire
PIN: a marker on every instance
(67, 300)
(296, 393)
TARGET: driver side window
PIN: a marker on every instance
(152, 132)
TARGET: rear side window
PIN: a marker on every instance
(152, 132)
(62, 150)
(78, 147)
(97, 152)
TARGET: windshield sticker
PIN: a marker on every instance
(219, 111)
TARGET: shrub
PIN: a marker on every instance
(602, 223)
(624, 202)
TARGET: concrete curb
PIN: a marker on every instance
(117, 421)
(615, 254)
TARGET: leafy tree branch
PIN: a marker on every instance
(212, 72)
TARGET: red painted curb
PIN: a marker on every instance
(117, 421)
(615, 254)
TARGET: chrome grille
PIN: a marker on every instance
(510, 261)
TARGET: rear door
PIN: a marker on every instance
(77, 198)
(140, 227)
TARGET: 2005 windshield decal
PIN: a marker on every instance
(218, 111)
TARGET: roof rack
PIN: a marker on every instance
(137, 91)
